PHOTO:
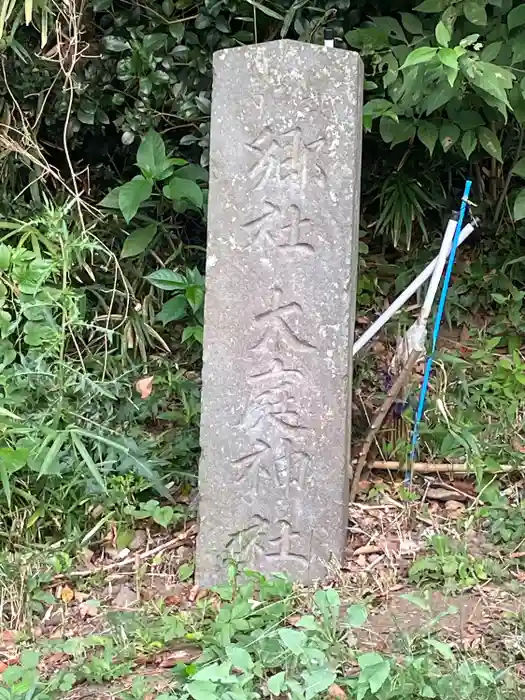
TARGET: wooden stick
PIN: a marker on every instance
(379, 418)
(430, 468)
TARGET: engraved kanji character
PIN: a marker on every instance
(284, 544)
(274, 229)
(276, 405)
(250, 541)
(277, 331)
(284, 156)
(252, 465)
(291, 467)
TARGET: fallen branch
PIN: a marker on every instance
(177, 541)
(430, 468)
(379, 418)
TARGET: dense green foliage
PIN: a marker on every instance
(104, 145)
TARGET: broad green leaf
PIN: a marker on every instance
(443, 35)
(294, 640)
(190, 332)
(151, 155)
(518, 49)
(239, 657)
(276, 683)
(173, 310)
(5, 256)
(356, 615)
(163, 515)
(474, 11)
(29, 659)
(178, 188)
(316, 682)
(468, 119)
(448, 57)
(491, 51)
(386, 129)
(440, 95)
(138, 240)
(266, 10)
(193, 172)
(427, 133)
(380, 674)
(110, 201)
(202, 690)
(490, 142)
(185, 572)
(519, 206)
(391, 26)
(131, 195)
(370, 658)
(195, 296)
(444, 649)
(167, 279)
(411, 23)
(448, 135)
(421, 55)
(115, 44)
(519, 168)
(368, 39)
(516, 17)
(404, 131)
(432, 6)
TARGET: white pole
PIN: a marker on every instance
(394, 307)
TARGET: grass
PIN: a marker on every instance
(251, 639)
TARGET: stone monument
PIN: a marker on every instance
(279, 316)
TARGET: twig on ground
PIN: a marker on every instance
(177, 541)
(430, 468)
(379, 418)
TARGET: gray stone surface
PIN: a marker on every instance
(279, 317)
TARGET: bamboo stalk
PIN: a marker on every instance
(431, 468)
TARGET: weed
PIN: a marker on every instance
(450, 566)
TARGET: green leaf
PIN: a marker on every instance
(110, 201)
(374, 669)
(131, 195)
(356, 615)
(444, 649)
(421, 55)
(519, 168)
(138, 240)
(440, 95)
(115, 44)
(316, 682)
(202, 690)
(195, 296)
(29, 659)
(88, 461)
(266, 10)
(432, 6)
(391, 26)
(411, 23)
(448, 135)
(185, 572)
(178, 188)
(276, 683)
(468, 143)
(491, 51)
(167, 279)
(519, 206)
(173, 310)
(193, 172)
(490, 143)
(151, 156)
(5, 256)
(239, 658)
(474, 11)
(294, 640)
(516, 17)
(404, 131)
(449, 60)
(443, 35)
(163, 515)
(192, 332)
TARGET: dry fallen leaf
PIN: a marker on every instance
(335, 691)
(144, 386)
(66, 594)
